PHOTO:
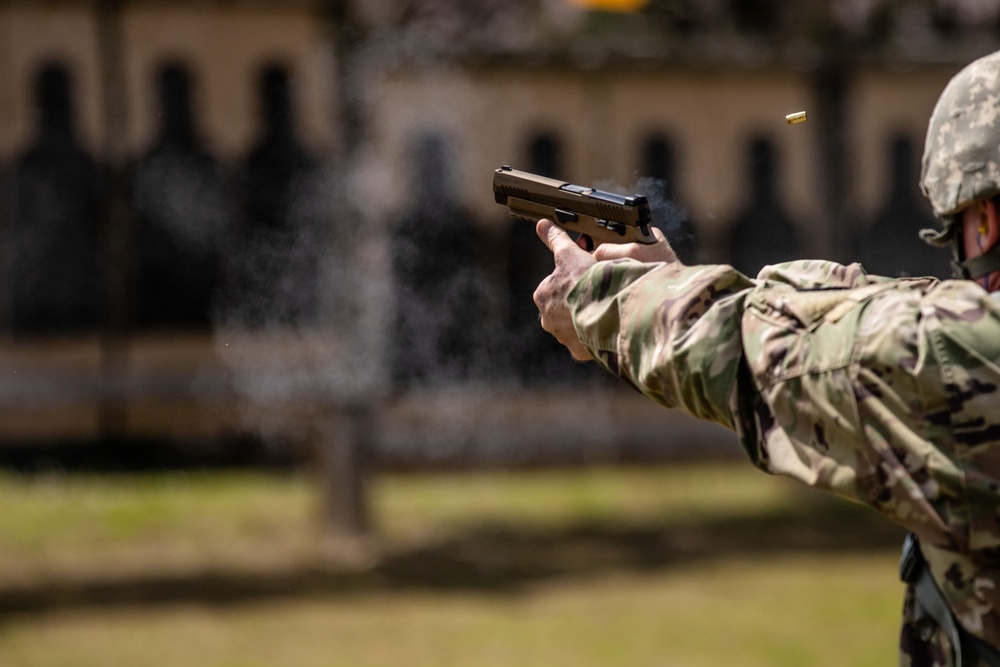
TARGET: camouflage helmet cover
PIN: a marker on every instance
(961, 162)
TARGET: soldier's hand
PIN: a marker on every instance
(641, 252)
(571, 261)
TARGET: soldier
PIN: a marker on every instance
(885, 391)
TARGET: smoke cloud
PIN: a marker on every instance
(668, 215)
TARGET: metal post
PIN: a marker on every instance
(108, 16)
(342, 444)
(344, 429)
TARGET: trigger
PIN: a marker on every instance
(582, 240)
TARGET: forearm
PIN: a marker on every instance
(671, 331)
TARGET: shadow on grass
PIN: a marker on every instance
(499, 559)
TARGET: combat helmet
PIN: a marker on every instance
(961, 162)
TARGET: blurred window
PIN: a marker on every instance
(536, 356)
(55, 243)
(437, 325)
(763, 232)
(659, 183)
(901, 214)
(183, 216)
(272, 264)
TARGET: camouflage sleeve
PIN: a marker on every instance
(649, 325)
(882, 391)
(838, 379)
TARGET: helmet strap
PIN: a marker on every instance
(975, 267)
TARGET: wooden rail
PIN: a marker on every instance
(198, 387)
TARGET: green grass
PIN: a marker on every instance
(77, 526)
(689, 493)
(698, 565)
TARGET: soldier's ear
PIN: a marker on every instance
(991, 222)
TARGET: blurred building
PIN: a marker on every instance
(201, 203)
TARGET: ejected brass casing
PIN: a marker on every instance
(797, 117)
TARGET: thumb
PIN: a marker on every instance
(555, 238)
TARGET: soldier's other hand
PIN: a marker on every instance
(571, 261)
(641, 252)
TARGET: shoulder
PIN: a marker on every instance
(964, 322)
(943, 339)
(959, 303)
(813, 316)
(816, 274)
(921, 309)
(950, 313)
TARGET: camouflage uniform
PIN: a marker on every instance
(882, 391)
(878, 390)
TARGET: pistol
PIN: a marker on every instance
(604, 217)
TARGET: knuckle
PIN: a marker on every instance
(542, 296)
